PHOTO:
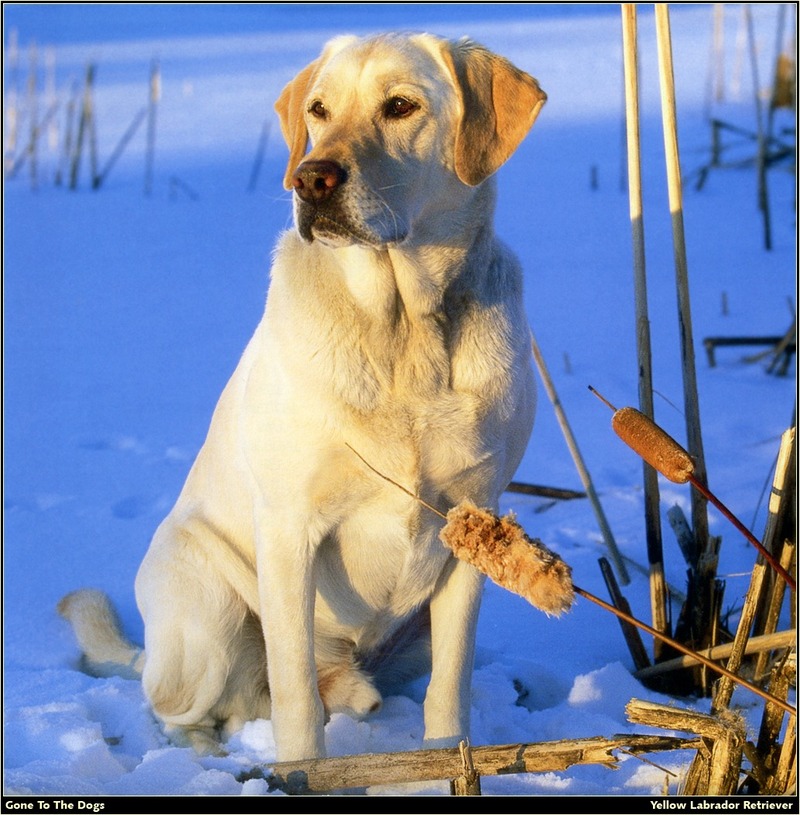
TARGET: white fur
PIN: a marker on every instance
(290, 579)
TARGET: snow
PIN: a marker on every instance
(124, 314)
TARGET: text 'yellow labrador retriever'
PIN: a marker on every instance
(289, 580)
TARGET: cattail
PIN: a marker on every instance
(500, 549)
(654, 445)
(661, 451)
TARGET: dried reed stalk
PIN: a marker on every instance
(120, 147)
(629, 631)
(85, 127)
(469, 782)
(33, 113)
(152, 109)
(653, 537)
(580, 464)
(675, 191)
(775, 770)
(754, 645)
(782, 496)
(761, 135)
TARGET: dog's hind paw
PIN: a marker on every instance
(348, 690)
(203, 740)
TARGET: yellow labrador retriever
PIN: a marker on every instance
(290, 580)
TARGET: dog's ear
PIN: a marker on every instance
(290, 108)
(500, 104)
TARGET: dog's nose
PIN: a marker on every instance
(316, 181)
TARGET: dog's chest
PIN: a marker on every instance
(381, 562)
(387, 345)
(420, 389)
(383, 556)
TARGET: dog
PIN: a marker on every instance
(293, 578)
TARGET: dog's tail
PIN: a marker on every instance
(106, 651)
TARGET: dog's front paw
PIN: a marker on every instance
(441, 743)
(348, 690)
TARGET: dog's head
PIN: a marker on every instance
(401, 128)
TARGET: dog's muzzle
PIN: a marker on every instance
(326, 209)
(319, 213)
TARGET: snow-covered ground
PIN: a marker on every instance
(124, 314)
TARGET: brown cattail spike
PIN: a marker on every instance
(655, 446)
(500, 549)
(663, 453)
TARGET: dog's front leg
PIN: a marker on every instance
(454, 619)
(286, 592)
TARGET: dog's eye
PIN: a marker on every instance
(398, 108)
(318, 110)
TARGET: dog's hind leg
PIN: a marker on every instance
(205, 669)
(205, 679)
(241, 695)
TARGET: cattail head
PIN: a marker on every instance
(653, 444)
(500, 549)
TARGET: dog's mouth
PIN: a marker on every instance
(332, 231)
(336, 229)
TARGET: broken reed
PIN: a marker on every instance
(314, 776)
